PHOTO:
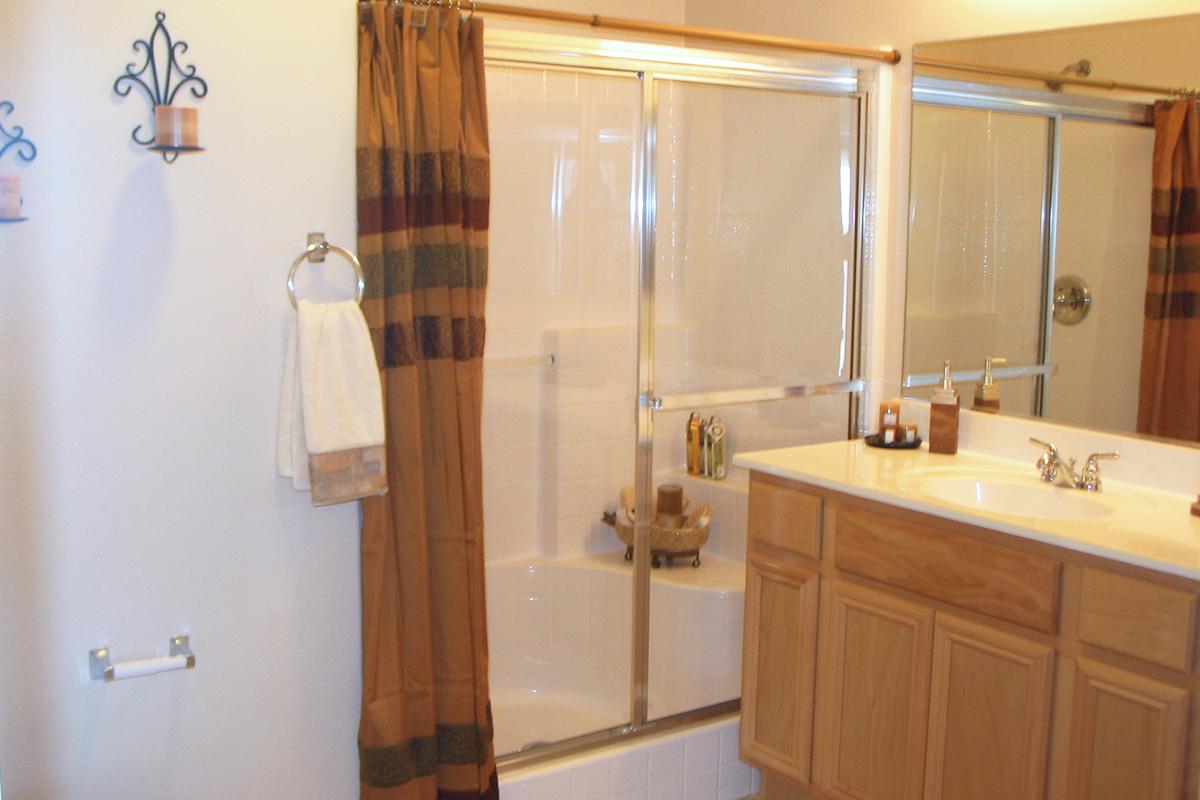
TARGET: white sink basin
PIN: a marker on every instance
(1005, 493)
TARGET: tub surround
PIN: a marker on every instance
(560, 638)
(1040, 642)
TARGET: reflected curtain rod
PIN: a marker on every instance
(886, 55)
(1050, 77)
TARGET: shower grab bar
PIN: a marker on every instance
(103, 668)
(519, 363)
(729, 397)
(999, 373)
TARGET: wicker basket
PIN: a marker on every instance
(670, 536)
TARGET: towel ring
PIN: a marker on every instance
(325, 247)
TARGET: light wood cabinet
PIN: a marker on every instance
(1125, 735)
(989, 713)
(874, 695)
(779, 668)
(956, 663)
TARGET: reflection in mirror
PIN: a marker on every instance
(1032, 166)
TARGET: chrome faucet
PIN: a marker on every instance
(1091, 470)
(1062, 473)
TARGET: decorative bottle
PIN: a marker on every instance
(943, 416)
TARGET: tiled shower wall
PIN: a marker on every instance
(1103, 237)
(558, 441)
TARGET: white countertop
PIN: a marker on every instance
(1144, 527)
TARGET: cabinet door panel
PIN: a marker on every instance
(1127, 736)
(874, 695)
(779, 667)
(989, 714)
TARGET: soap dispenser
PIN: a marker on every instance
(943, 416)
(987, 393)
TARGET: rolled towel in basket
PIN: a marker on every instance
(331, 431)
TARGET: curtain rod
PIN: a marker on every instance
(1049, 77)
(886, 55)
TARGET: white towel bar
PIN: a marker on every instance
(102, 667)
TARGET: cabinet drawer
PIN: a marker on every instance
(784, 517)
(1004, 583)
(1137, 618)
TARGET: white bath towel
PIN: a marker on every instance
(331, 430)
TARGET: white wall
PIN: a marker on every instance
(142, 320)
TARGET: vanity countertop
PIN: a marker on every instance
(1135, 524)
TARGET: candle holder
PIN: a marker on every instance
(161, 76)
(13, 139)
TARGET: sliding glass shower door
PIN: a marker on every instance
(755, 281)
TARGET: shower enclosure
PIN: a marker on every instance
(673, 231)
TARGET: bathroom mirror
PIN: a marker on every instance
(1029, 213)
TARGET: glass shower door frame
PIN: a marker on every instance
(653, 64)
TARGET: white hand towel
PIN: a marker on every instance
(331, 429)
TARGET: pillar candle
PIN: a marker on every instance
(10, 196)
(175, 126)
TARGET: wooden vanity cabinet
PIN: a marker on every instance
(892, 655)
(779, 671)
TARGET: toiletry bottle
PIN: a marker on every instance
(693, 444)
(716, 449)
(943, 416)
(987, 393)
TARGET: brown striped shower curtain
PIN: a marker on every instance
(423, 193)
(1169, 398)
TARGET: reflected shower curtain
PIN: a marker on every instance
(1169, 399)
(423, 191)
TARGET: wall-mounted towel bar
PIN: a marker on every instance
(103, 668)
(314, 254)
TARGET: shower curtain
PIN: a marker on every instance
(1169, 398)
(423, 192)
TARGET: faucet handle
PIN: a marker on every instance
(1050, 448)
(1091, 470)
(1046, 464)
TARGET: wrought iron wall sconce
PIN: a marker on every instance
(10, 185)
(161, 77)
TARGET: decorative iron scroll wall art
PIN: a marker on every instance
(161, 77)
(10, 185)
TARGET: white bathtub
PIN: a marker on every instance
(560, 635)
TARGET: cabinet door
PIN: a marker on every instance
(873, 699)
(989, 714)
(779, 666)
(1127, 735)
